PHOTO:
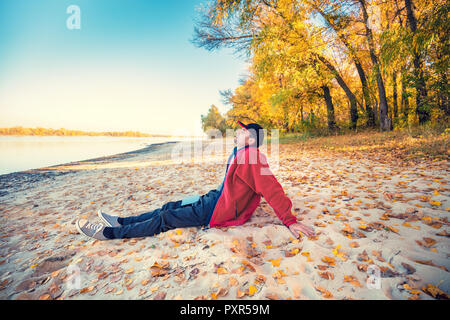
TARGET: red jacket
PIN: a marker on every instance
(247, 179)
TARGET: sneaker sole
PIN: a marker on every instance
(99, 213)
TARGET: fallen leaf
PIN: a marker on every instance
(363, 256)
(260, 279)
(240, 294)
(160, 296)
(87, 289)
(292, 253)
(325, 293)
(129, 271)
(435, 292)
(252, 290)
(327, 275)
(221, 270)
(393, 229)
(276, 263)
(354, 244)
(352, 280)
(249, 265)
(330, 261)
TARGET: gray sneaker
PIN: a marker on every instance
(110, 221)
(91, 230)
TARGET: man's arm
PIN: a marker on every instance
(259, 177)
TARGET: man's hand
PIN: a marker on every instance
(296, 228)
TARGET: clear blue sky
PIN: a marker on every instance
(130, 66)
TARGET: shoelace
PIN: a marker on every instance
(93, 226)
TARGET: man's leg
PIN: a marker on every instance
(170, 216)
(149, 215)
(162, 221)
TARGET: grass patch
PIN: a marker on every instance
(419, 142)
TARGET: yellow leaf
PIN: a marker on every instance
(276, 263)
(154, 288)
(131, 270)
(178, 231)
(393, 229)
(119, 292)
(251, 290)
(329, 260)
(221, 270)
(352, 280)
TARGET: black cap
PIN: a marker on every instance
(255, 130)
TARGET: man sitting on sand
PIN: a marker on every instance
(247, 178)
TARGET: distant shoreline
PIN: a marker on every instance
(62, 132)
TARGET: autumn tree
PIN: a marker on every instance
(355, 62)
(213, 120)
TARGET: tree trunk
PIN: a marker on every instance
(394, 96)
(362, 75)
(366, 93)
(330, 109)
(443, 94)
(301, 113)
(385, 121)
(351, 97)
(421, 90)
(405, 100)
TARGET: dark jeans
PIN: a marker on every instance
(170, 216)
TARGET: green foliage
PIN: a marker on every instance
(214, 121)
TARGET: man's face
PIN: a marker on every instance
(243, 138)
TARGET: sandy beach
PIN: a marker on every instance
(370, 213)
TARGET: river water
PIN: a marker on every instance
(19, 153)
